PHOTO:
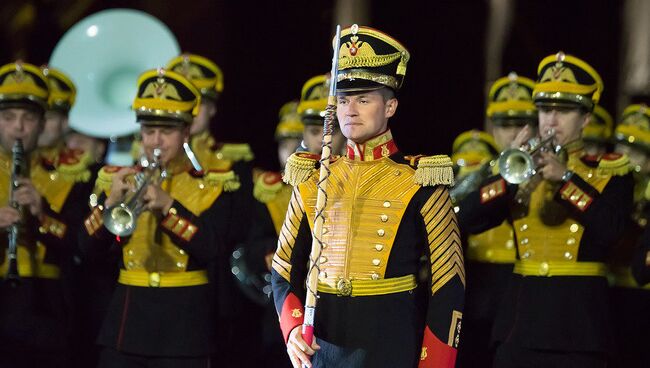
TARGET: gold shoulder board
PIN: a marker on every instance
(235, 152)
(267, 186)
(73, 165)
(614, 164)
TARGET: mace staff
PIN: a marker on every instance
(321, 200)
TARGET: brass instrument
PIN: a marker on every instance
(517, 165)
(18, 169)
(121, 218)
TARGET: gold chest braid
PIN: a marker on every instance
(493, 246)
(366, 201)
(149, 249)
(539, 242)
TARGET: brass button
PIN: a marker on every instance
(201, 186)
(387, 204)
(568, 255)
(381, 232)
(524, 241)
(489, 253)
(582, 203)
(485, 196)
(379, 247)
(397, 173)
(456, 209)
(571, 241)
(574, 228)
(543, 269)
(523, 227)
(180, 251)
(376, 262)
(510, 244)
(344, 287)
(172, 211)
(384, 218)
(53, 176)
(130, 252)
(525, 255)
(154, 279)
(180, 264)
(573, 198)
(42, 230)
(130, 264)
(374, 276)
(220, 156)
(492, 192)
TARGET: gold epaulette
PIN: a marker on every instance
(267, 186)
(433, 170)
(73, 165)
(105, 178)
(299, 167)
(235, 152)
(226, 178)
(614, 164)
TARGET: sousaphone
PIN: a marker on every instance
(104, 54)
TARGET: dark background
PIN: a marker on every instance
(268, 49)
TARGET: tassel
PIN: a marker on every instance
(434, 170)
(299, 168)
(235, 152)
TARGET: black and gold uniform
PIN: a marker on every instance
(555, 309)
(630, 300)
(489, 255)
(384, 211)
(161, 311)
(35, 313)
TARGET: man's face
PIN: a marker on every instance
(505, 134)
(286, 147)
(364, 116)
(567, 123)
(55, 125)
(19, 123)
(169, 139)
(201, 123)
(313, 138)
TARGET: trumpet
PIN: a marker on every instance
(18, 169)
(517, 165)
(121, 218)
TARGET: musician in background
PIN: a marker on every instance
(233, 324)
(598, 132)
(313, 101)
(35, 311)
(490, 255)
(629, 300)
(384, 211)
(565, 219)
(161, 312)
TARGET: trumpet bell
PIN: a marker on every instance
(119, 220)
(516, 166)
(104, 54)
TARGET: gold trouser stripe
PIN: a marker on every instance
(372, 287)
(43, 270)
(559, 268)
(622, 277)
(163, 279)
(492, 255)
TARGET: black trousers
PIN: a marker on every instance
(509, 355)
(111, 358)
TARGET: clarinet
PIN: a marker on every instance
(18, 166)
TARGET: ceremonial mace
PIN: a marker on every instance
(321, 200)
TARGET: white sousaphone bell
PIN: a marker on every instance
(104, 54)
